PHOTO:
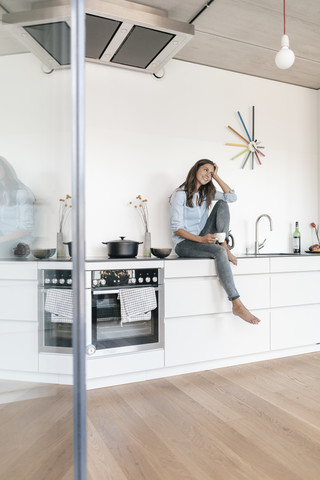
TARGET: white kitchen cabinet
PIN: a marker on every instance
(200, 328)
(295, 326)
(194, 296)
(56, 363)
(203, 338)
(307, 263)
(18, 300)
(18, 270)
(19, 346)
(109, 365)
(203, 295)
(18, 317)
(199, 325)
(204, 267)
(296, 288)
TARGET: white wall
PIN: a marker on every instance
(35, 135)
(143, 135)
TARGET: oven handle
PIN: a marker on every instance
(104, 292)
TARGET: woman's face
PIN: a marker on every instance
(204, 175)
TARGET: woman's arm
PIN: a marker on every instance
(14, 235)
(209, 238)
(225, 188)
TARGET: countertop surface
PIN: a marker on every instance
(153, 259)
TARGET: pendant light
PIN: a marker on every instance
(285, 57)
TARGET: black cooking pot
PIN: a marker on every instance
(122, 248)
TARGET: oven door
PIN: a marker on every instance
(55, 332)
(109, 332)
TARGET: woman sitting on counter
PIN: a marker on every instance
(194, 230)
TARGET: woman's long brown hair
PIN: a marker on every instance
(206, 192)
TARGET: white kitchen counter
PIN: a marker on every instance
(200, 330)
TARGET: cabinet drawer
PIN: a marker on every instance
(204, 295)
(18, 300)
(18, 270)
(295, 264)
(184, 268)
(19, 346)
(109, 365)
(295, 326)
(295, 288)
(209, 337)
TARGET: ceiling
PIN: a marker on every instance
(238, 35)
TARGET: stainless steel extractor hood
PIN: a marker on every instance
(118, 33)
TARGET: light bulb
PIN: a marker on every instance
(285, 57)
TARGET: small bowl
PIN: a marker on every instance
(161, 252)
(43, 252)
(22, 250)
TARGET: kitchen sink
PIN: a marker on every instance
(270, 254)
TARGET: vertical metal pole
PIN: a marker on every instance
(78, 238)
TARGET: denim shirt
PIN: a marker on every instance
(191, 219)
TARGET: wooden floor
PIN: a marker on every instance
(257, 421)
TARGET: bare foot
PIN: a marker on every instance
(241, 311)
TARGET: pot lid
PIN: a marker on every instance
(122, 240)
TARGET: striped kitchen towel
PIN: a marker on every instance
(59, 304)
(136, 304)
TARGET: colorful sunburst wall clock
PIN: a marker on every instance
(252, 146)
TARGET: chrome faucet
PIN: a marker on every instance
(257, 245)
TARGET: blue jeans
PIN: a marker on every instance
(218, 221)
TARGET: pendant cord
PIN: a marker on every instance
(284, 17)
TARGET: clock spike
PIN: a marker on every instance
(238, 134)
(244, 126)
(238, 154)
(258, 158)
(253, 121)
(244, 163)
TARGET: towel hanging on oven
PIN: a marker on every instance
(136, 304)
(59, 304)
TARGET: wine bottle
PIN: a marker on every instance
(296, 240)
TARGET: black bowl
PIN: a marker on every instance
(42, 253)
(161, 252)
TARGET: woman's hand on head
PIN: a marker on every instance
(215, 173)
(209, 238)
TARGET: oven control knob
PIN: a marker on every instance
(69, 281)
(133, 280)
(148, 279)
(94, 283)
(54, 281)
(91, 349)
(47, 281)
(61, 281)
(140, 280)
(103, 281)
(154, 279)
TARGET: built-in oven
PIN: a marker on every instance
(55, 310)
(126, 310)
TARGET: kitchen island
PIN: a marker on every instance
(200, 332)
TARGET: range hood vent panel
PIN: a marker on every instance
(54, 38)
(127, 35)
(99, 33)
(141, 47)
